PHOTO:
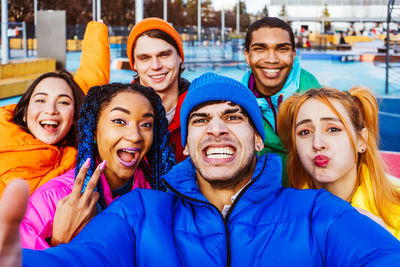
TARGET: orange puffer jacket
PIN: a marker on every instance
(24, 156)
(94, 68)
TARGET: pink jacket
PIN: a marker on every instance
(37, 224)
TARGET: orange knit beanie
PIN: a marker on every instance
(152, 24)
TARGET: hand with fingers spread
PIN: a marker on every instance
(76, 210)
(12, 209)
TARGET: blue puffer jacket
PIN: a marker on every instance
(267, 225)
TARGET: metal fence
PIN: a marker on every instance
(392, 42)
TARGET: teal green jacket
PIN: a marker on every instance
(299, 80)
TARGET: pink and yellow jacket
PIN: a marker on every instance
(37, 225)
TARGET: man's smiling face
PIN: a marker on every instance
(270, 57)
(157, 63)
(221, 143)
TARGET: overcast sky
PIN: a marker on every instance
(253, 6)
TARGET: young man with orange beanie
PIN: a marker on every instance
(155, 53)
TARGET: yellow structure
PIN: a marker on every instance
(17, 43)
(331, 39)
(74, 45)
(351, 39)
(118, 39)
(17, 75)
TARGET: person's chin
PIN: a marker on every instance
(49, 141)
(272, 84)
(220, 179)
(159, 87)
(218, 172)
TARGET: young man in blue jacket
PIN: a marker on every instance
(225, 206)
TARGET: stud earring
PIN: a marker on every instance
(363, 149)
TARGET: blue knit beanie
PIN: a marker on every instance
(211, 86)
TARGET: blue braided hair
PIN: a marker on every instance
(160, 156)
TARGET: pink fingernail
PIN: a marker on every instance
(103, 165)
(87, 163)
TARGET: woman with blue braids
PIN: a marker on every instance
(123, 144)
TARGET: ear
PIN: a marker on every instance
(258, 142)
(186, 150)
(246, 56)
(362, 141)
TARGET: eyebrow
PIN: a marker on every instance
(322, 119)
(230, 111)
(167, 51)
(64, 95)
(264, 45)
(205, 115)
(198, 114)
(148, 115)
(284, 44)
(45, 94)
(124, 110)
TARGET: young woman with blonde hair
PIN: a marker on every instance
(331, 138)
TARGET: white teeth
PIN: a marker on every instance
(49, 123)
(219, 152)
(270, 71)
(158, 76)
(129, 151)
(218, 156)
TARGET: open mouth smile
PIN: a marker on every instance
(219, 152)
(271, 73)
(49, 124)
(159, 76)
(128, 156)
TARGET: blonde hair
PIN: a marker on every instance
(362, 109)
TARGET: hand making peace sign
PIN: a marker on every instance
(76, 210)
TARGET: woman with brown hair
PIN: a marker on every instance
(38, 136)
(331, 138)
